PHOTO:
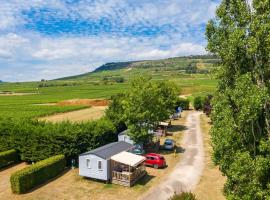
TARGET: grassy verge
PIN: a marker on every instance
(211, 184)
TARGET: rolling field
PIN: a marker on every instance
(100, 85)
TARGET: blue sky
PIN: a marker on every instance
(55, 38)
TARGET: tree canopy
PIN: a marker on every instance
(240, 37)
(146, 104)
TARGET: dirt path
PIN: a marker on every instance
(187, 172)
(4, 180)
(92, 113)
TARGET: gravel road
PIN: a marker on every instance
(188, 171)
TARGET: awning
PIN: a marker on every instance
(128, 158)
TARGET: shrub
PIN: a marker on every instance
(39, 140)
(184, 103)
(32, 176)
(183, 196)
(198, 103)
(8, 157)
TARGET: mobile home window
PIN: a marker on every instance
(88, 163)
(99, 165)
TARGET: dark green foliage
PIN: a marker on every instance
(148, 103)
(183, 196)
(184, 103)
(36, 174)
(198, 103)
(241, 119)
(115, 111)
(207, 107)
(8, 157)
(39, 140)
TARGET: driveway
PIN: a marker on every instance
(188, 171)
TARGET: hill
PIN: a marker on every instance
(201, 64)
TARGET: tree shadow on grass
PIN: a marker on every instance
(9, 166)
(49, 181)
(177, 128)
(144, 180)
(168, 152)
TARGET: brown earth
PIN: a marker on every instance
(85, 102)
(83, 115)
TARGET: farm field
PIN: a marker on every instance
(70, 185)
(92, 113)
(23, 100)
(30, 105)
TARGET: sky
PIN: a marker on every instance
(48, 39)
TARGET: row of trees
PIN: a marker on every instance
(239, 36)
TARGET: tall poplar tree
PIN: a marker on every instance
(240, 37)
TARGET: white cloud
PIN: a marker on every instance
(30, 55)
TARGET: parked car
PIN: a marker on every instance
(138, 151)
(168, 144)
(155, 160)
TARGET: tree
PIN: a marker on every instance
(115, 111)
(147, 104)
(198, 103)
(239, 36)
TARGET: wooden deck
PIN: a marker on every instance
(126, 178)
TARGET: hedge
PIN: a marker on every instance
(8, 157)
(36, 174)
(184, 103)
(37, 141)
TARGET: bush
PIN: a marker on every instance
(183, 196)
(198, 103)
(184, 103)
(32, 176)
(40, 140)
(8, 157)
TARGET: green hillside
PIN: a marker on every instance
(190, 73)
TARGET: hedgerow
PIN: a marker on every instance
(37, 141)
(36, 174)
(8, 157)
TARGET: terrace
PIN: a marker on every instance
(127, 168)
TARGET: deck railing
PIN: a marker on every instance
(128, 176)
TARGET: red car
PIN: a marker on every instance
(155, 160)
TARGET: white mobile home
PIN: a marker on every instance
(123, 136)
(97, 163)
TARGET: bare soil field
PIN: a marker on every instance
(93, 113)
(211, 184)
(84, 102)
(70, 186)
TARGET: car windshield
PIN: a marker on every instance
(168, 142)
